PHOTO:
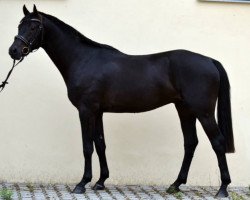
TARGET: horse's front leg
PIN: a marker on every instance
(100, 149)
(88, 125)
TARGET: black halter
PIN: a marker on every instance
(26, 50)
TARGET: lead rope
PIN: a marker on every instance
(5, 81)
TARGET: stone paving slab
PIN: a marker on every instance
(129, 192)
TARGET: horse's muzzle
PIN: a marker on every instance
(14, 53)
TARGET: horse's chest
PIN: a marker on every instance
(90, 94)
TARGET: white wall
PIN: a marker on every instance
(40, 139)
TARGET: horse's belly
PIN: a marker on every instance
(131, 109)
(138, 103)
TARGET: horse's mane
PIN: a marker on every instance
(76, 34)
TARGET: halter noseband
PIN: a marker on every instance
(26, 50)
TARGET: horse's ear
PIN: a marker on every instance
(35, 10)
(25, 10)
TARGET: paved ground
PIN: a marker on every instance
(44, 192)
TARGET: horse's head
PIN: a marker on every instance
(30, 34)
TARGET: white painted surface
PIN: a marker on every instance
(230, 1)
(40, 139)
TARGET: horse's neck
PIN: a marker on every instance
(63, 49)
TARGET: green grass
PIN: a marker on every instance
(172, 190)
(30, 186)
(198, 194)
(6, 194)
(236, 196)
(178, 195)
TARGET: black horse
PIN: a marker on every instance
(100, 78)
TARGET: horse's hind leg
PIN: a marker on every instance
(188, 121)
(100, 149)
(218, 143)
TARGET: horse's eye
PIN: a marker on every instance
(33, 28)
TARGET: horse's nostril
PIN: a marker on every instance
(13, 50)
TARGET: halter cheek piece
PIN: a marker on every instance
(28, 48)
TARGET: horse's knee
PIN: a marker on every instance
(100, 145)
(88, 151)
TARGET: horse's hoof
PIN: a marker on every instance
(173, 189)
(79, 189)
(222, 193)
(98, 186)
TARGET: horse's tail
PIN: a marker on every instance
(224, 108)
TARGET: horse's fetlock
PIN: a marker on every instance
(226, 181)
(86, 179)
(105, 174)
(180, 180)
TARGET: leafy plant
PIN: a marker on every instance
(6, 194)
